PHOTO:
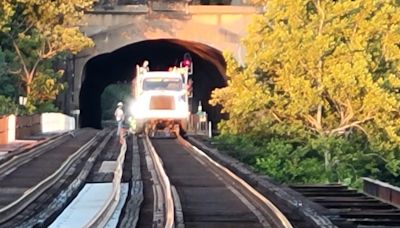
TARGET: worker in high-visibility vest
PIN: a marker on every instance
(132, 124)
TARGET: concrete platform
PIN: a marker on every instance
(87, 204)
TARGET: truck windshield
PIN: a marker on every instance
(173, 84)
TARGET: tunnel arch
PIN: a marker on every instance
(209, 69)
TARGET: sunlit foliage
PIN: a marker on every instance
(36, 31)
(320, 69)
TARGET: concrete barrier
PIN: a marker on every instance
(11, 128)
(7, 129)
(4, 130)
(26, 126)
(21, 127)
(56, 122)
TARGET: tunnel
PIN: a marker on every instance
(209, 69)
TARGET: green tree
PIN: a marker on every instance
(8, 85)
(113, 94)
(325, 68)
(37, 31)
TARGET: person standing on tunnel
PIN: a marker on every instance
(119, 116)
(145, 66)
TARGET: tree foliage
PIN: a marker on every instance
(46, 86)
(8, 85)
(37, 31)
(320, 69)
(6, 12)
(7, 106)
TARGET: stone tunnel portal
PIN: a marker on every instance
(120, 66)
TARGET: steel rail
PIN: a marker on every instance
(179, 221)
(105, 213)
(133, 204)
(31, 194)
(21, 158)
(284, 196)
(164, 213)
(60, 202)
(30, 148)
(268, 214)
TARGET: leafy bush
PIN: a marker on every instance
(47, 106)
(46, 86)
(7, 106)
(313, 160)
(287, 163)
(284, 161)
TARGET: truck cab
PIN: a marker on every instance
(160, 100)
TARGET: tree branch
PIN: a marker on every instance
(350, 112)
(14, 72)
(28, 27)
(44, 53)
(340, 130)
(276, 117)
(317, 4)
(21, 59)
(319, 115)
(33, 70)
(316, 125)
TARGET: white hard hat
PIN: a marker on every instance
(120, 104)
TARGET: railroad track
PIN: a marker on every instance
(171, 184)
(29, 180)
(51, 141)
(190, 189)
(321, 205)
(349, 208)
(105, 189)
(62, 175)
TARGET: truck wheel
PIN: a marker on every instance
(183, 126)
(139, 127)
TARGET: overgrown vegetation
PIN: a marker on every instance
(318, 97)
(290, 160)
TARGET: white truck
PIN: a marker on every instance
(161, 100)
